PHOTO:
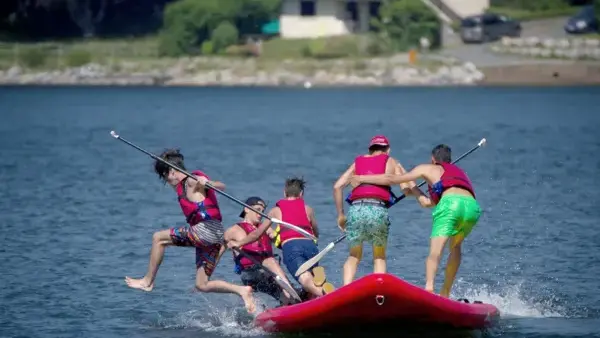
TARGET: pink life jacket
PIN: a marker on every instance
(259, 250)
(453, 176)
(293, 212)
(196, 212)
(370, 165)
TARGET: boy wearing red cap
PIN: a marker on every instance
(367, 218)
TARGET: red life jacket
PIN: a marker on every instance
(370, 165)
(453, 176)
(293, 212)
(259, 250)
(196, 212)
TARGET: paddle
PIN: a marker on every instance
(275, 276)
(308, 264)
(274, 220)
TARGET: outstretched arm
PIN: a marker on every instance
(391, 179)
(399, 170)
(423, 200)
(338, 188)
(408, 186)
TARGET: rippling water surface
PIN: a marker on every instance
(78, 208)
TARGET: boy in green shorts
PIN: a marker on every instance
(455, 214)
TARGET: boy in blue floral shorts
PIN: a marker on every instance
(368, 213)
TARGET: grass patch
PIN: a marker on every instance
(347, 46)
(591, 36)
(527, 15)
(61, 54)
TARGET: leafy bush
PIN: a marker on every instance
(187, 24)
(33, 57)
(224, 35)
(78, 58)
(405, 22)
(207, 48)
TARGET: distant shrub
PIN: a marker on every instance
(225, 35)
(405, 22)
(207, 48)
(33, 57)
(78, 58)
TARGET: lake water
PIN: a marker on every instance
(78, 208)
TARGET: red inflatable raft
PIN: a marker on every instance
(377, 298)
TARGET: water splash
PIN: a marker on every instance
(230, 321)
(510, 300)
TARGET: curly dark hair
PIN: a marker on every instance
(172, 156)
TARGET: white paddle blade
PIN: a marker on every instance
(293, 227)
(482, 142)
(113, 134)
(309, 263)
(287, 288)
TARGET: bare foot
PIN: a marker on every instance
(141, 284)
(248, 299)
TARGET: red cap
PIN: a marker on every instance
(379, 140)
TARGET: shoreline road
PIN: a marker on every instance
(481, 55)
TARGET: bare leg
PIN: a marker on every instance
(203, 284)
(160, 240)
(352, 264)
(453, 265)
(433, 260)
(379, 263)
(306, 280)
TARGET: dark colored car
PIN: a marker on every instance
(583, 22)
(488, 27)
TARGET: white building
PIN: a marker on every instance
(319, 18)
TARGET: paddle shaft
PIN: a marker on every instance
(401, 197)
(291, 226)
(192, 176)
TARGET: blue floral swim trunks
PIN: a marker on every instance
(367, 222)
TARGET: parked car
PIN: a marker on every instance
(488, 27)
(583, 22)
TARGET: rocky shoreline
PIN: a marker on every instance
(547, 48)
(394, 71)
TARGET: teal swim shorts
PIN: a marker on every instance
(367, 222)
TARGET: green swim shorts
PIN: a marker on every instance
(454, 215)
(367, 222)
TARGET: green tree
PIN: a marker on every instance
(255, 13)
(225, 35)
(405, 22)
(189, 23)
